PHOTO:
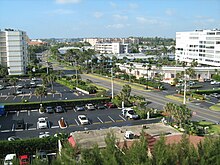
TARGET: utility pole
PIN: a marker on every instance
(112, 83)
(184, 91)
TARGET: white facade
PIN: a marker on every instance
(201, 45)
(111, 48)
(13, 51)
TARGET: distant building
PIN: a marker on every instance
(13, 51)
(200, 45)
(114, 48)
(36, 42)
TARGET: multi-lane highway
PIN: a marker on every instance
(201, 111)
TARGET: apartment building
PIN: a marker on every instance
(111, 48)
(129, 40)
(200, 45)
(13, 51)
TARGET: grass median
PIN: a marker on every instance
(215, 107)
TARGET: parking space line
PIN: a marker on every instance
(108, 122)
(6, 98)
(14, 97)
(29, 113)
(76, 94)
(76, 122)
(30, 96)
(23, 111)
(19, 130)
(64, 90)
(56, 126)
(18, 113)
(13, 127)
(96, 123)
(26, 126)
(111, 118)
(99, 119)
(74, 109)
(119, 120)
(6, 131)
(71, 125)
(122, 117)
(6, 114)
(32, 128)
(34, 110)
(22, 97)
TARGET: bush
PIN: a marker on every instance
(207, 91)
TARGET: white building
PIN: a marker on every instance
(111, 48)
(13, 51)
(201, 45)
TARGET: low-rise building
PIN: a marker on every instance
(114, 48)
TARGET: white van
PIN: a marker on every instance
(9, 158)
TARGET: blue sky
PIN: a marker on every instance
(108, 18)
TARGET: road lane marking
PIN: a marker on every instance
(13, 127)
(6, 114)
(22, 97)
(119, 120)
(32, 128)
(29, 113)
(96, 123)
(18, 113)
(56, 126)
(30, 96)
(19, 130)
(76, 122)
(122, 117)
(26, 126)
(14, 97)
(6, 98)
(72, 125)
(100, 120)
(111, 118)
(108, 122)
(6, 131)
(34, 110)
(23, 111)
(74, 109)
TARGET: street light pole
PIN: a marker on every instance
(112, 83)
(184, 91)
(76, 73)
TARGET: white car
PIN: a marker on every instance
(9, 159)
(129, 113)
(44, 134)
(214, 83)
(18, 92)
(42, 123)
(83, 119)
(90, 107)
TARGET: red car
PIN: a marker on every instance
(110, 105)
(24, 159)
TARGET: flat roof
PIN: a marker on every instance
(89, 138)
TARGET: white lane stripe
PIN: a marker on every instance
(14, 97)
(6, 131)
(57, 126)
(111, 118)
(34, 110)
(22, 97)
(23, 111)
(13, 127)
(32, 128)
(99, 119)
(19, 130)
(18, 113)
(205, 118)
(122, 117)
(6, 98)
(29, 113)
(76, 122)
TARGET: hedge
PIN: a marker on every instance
(36, 105)
(207, 91)
(28, 146)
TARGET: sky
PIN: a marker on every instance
(108, 18)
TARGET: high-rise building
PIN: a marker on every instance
(13, 51)
(200, 45)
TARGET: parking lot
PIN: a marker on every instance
(61, 93)
(97, 119)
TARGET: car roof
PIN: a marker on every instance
(10, 156)
(82, 116)
(41, 119)
(23, 156)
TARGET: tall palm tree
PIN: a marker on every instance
(131, 67)
(13, 81)
(148, 68)
(51, 78)
(40, 91)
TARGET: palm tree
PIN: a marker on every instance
(130, 69)
(13, 81)
(148, 68)
(51, 78)
(40, 91)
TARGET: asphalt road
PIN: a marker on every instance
(98, 119)
(158, 100)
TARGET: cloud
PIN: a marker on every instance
(120, 17)
(98, 14)
(144, 20)
(170, 12)
(112, 4)
(117, 26)
(67, 1)
(133, 5)
(60, 11)
(205, 21)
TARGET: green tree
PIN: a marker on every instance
(52, 78)
(13, 81)
(92, 156)
(125, 93)
(40, 91)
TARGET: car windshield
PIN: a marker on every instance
(131, 112)
(42, 121)
(83, 118)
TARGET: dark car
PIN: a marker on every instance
(79, 108)
(27, 86)
(19, 124)
(100, 106)
(49, 110)
(59, 109)
(110, 105)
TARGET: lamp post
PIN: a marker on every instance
(76, 73)
(112, 83)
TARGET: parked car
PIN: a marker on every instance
(19, 124)
(49, 110)
(83, 119)
(27, 86)
(9, 159)
(19, 86)
(79, 108)
(100, 106)
(18, 92)
(44, 134)
(1, 87)
(42, 123)
(110, 105)
(59, 109)
(90, 107)
(24, 159)
(214, 82)
(32, 83)
(129, 113)
(13, 138)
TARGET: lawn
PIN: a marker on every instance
(215, 107)
(179, 99)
